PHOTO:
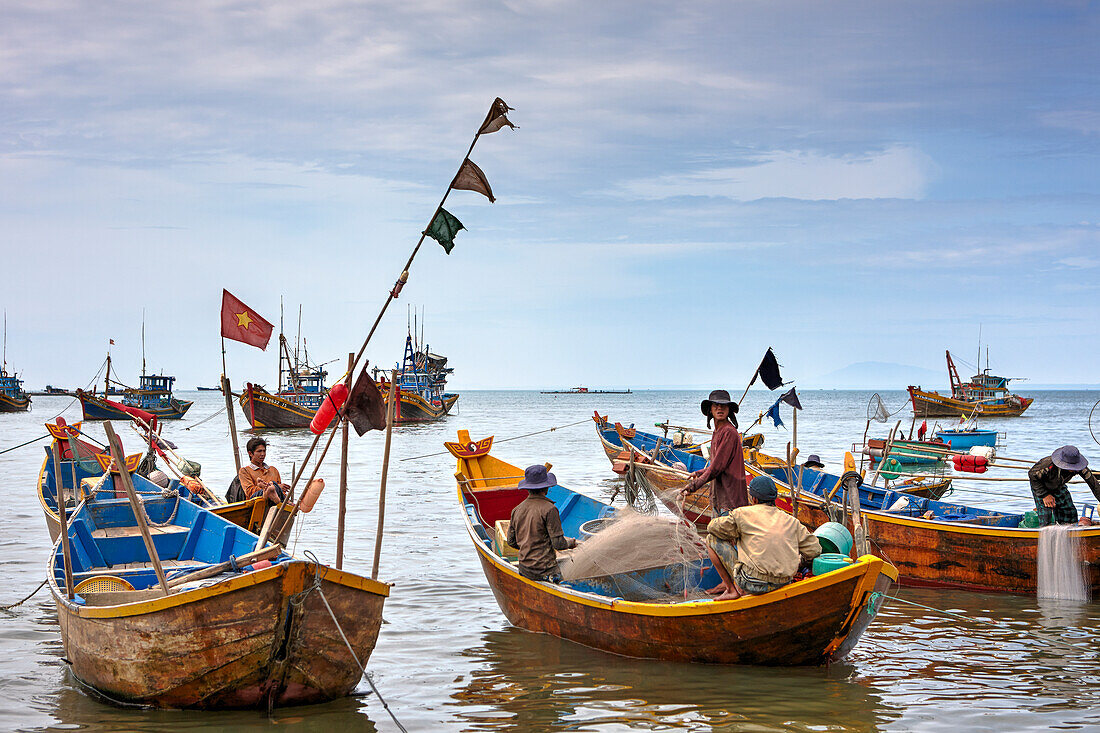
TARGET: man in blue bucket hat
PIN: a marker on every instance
(757, 548)
(535, 528)
(1049, 476)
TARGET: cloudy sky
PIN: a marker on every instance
(690, 184)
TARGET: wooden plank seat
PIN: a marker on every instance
(112, 532)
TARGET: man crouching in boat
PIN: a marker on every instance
(757, 548)
(1049, 476)
(535, 528)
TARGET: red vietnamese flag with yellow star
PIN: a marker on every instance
(241, 323)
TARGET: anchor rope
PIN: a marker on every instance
(205, 419)
(20, 603)
(317, 586)
(505, 440)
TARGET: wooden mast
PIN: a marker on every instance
(385, 473)
(342, 513)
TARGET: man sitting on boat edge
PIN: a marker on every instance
(757, 548)
(535, 528)
(260, 477)
(1049, 477)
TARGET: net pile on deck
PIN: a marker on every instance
(640, 557)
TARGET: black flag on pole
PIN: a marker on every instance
(366, 408)
(791, 398)
(768, 371)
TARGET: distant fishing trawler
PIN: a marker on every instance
(301, 388)
(421, 393)
(985, 395)
(586, 390)
(13, 398)
(153, 394)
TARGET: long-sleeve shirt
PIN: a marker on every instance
(769, 541)
(535, 530)
(1048, 480)
(726, 469)
(250, 476)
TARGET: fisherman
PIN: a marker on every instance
(726, 467)
(535, 528)
(757, 548)
(1049, 476)
(259, 477)
(813, 461)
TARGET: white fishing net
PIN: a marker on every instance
(639, 557)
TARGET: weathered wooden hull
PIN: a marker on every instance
(241, 643)
(14, 404)
(412, 408)
(96, 409)
(934, 404)
(810, 622)
(265, 410)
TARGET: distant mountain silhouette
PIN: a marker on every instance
(878, 375)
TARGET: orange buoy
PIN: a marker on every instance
(313, 492)
(333, 401)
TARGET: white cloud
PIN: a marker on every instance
(898, 173)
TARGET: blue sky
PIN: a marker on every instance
(690, 184)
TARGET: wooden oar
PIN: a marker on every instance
(62, 517)
(241, 561)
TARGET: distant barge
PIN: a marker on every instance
(586, 390)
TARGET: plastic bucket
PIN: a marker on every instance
(829, 562)
(592, 526)
(834, 538)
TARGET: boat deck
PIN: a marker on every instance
(111, 532)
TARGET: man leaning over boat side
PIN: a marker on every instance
(757, 548)
(535, 528)
(1049, 476)
(258, 477)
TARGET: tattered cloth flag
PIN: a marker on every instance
(470, 178)
(365, 406)
(768, 371)
(791, 398)
(444, 228)
(496, 118)
(241, 323)
(773, 413)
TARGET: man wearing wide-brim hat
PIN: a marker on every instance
(535, 527)
(1049, 477)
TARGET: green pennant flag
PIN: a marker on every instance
(444, 228)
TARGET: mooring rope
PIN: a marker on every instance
(205, 419)
(505, 440)
(86, 386)
(35, 440)
(20, 603)
(317, 586)
(1094, 438)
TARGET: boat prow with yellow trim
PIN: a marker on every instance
(810, 621)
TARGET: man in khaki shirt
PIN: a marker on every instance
(758, 548)
(535, 528)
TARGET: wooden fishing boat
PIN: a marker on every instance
(81, 460)
(936, 543)
(985, 395)
(964, 440)
(611, 439)
(301, 390)
(153, 395)
(420, 394)
(810, 621)
(13, 398)
(266, 636)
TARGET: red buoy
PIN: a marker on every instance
(333, 401)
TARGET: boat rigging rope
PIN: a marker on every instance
(86, 386)
(205, 419)
(505, 440)
(317, 586)
(1095, 439)
(20, 603)
(34, 440)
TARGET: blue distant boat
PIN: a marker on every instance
(153, 395)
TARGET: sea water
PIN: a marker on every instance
(1061, 574)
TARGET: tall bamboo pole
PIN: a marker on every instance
(228, 394)
(385, 473)
(62, 516)
(342, 513)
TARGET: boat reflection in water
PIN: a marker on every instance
(539, 682)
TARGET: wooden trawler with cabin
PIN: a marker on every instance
(153, 395)
(985, 395)
(809, 621)
(421, 386)
(301, 390)
(13, 398)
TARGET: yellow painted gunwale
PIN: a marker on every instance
(867, 566)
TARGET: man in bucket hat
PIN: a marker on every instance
(535, 528)
(1048, 477)
(758, 548)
